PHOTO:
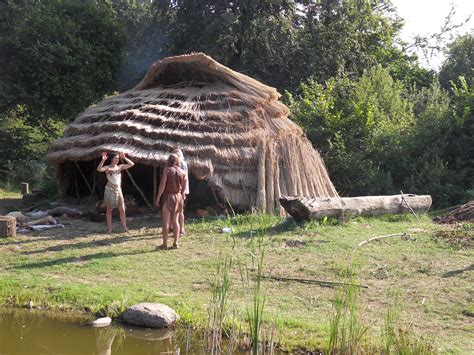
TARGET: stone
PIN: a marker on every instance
(152, 315)
(20, 218)
(102, 322)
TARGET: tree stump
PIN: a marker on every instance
(7, 226)
(25, 188)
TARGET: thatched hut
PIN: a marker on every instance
(240, 145)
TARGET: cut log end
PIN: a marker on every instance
(7, 226)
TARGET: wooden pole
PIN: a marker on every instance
(154, 184)
(287, 169)
(276, 183)
(76, 187)
(84, 177)
(269, 179)
(94, 174)
(139, 190)
(261, 176)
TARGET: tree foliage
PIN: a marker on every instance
(58, 56)
(382, 122)
(459, 62)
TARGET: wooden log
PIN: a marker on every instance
(304, 208)
(7, 226)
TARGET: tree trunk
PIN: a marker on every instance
(304, 208)
(7, 226)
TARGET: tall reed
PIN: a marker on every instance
(218, 306)
(255, 312)
(346, 330)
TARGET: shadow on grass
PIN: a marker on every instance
(282, 227)
(457, 272)
(78, 259)
(91, 244)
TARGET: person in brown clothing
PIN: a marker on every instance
(171, 194)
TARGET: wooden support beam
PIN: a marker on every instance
(155, 191)
(261, 190)
(83, 177)
(94, 176)
(139, 190)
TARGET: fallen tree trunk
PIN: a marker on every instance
(304, 208)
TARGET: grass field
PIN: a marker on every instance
(80, 267)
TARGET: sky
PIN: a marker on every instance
(427, 16)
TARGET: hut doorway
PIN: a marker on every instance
(80, 180)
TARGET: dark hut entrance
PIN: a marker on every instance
(80, 180)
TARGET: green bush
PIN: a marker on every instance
(377, 137)
(24, 148)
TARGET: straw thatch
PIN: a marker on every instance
(232, 129)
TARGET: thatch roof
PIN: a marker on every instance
(231, 128)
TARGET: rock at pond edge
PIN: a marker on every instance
(152, 315)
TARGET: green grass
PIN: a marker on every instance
(8, 193)
(81, 268)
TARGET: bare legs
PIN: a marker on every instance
(165, 217)
(180, 223)
(168, 218)
(123, 219)
(108, 218)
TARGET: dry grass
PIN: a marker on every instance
(80, 267)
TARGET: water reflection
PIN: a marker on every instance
(25, 332)
(34, 332)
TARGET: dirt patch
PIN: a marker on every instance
(294, 243)
(464, 213)
(460, 238)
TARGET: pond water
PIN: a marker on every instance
(24, 332)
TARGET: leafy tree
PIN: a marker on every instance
(58, 56)
(283, 42)
(357, 125)
(462, 142)
(459, 62)
(145, 40)
(24, 145)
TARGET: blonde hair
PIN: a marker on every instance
(179, 153)
(173, 160)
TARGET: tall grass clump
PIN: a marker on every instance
(346, 330)
(255, 311)
(218, 306)
(397, 339)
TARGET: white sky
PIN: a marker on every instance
(427, 16)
